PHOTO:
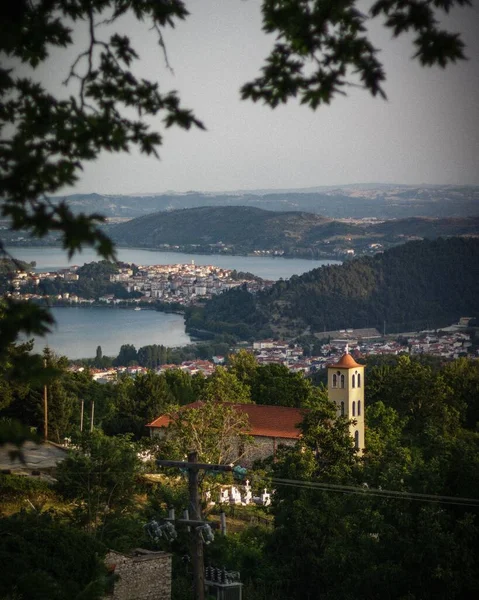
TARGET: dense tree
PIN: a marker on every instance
(276, 384)
(13, 367)
(382, 547)
(127, 356)
(224, 386)
(360, 293)
(217, 432)
(306, 519)
(244, 365)
(100, 476)
(463, 376)
(182, 386)
(45, 558)
(99, 354)
(152, 396)
(417, 393)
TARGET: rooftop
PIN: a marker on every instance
(264, 420)
(345, 362)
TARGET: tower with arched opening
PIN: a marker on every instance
(346, 390)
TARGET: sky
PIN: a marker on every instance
(426, 132)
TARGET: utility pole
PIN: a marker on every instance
(194, 519)
(81, 414)
(45, 406)
(92, 415)
(197, 543)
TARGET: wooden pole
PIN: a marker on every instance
(81, 414)
(45, 407)
(92, 414)
(223, 522)
(197, 543)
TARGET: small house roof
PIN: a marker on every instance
(264, 420)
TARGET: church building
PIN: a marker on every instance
(346, 390)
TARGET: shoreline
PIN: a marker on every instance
(306, 256)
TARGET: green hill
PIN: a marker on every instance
(244, 229)
(415, 285)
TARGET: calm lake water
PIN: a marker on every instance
(80, 330)
(267, 267)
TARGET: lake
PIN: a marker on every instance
(267, 267)
(80, 330)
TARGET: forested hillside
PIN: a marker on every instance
(242, 226)
(244, 229)
(419, 284)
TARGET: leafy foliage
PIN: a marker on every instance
(322, 47)
(212, 429)
(383, 547)
(51, 137)
(43, 558)
(101, 476)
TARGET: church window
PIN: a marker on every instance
(359, 408)
(335, 380)
(354, 380)
(354, 408)
(342, 409)
(356, 439)
(359, 379)
(342, 381)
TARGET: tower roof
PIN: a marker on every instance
(345, 362)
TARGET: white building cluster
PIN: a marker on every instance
(177, 283)
(181, 283)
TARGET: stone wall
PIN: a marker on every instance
(262, 447)
(142, 575)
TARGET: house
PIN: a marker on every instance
(270, 427)
(33, 458)
(273, 426)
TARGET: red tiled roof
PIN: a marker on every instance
(345, 362)
(264, 420)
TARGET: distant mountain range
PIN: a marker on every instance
(242, 229)
(381, 201)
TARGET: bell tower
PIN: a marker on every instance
(346, 390)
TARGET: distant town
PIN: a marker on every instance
(179, 284)
(449, 343)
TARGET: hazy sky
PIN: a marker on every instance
(427, 131)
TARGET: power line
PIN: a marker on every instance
(393, 494)
(338, 488)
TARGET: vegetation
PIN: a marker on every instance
(242, 229)
(385, 549)
(8, 265)
(316, 54)
(420, 284)
(100, 476)
(45, 558)
(421, 438)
